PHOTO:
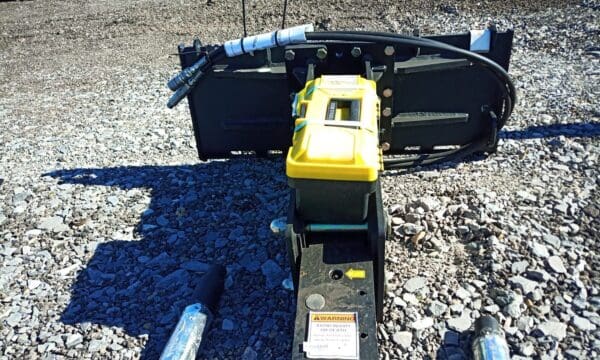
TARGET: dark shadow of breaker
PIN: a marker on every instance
(217, 212)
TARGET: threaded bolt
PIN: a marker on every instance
(386, 112)
(356, 52)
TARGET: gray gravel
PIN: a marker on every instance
(107, 218)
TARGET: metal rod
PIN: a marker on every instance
(336, 227)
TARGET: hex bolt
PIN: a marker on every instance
(289, 55)
(356, 52)
(387, 92)
(389, 50)
(386, 112)
(322, 53)
(385, 146)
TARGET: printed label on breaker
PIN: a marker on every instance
(332, 335)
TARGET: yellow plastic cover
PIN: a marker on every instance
(335, 137)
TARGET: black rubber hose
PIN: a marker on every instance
(501, 74)
(187, 79)
(422, 160)
(210, 287)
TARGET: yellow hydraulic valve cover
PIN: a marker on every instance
(336, 132)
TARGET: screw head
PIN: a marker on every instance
(321, 53)
(389, 50)
(289, 55)
(386, 112)
(387, 92)
(385, 146)
(356, 52)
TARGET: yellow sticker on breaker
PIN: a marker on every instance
(332, 335)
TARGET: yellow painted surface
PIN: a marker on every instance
(342, 147)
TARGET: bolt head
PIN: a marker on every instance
(321, 53)
(385, 146)
(387, 92)
(356, 52)
(389, 50)
(386, 112)
(289, 55)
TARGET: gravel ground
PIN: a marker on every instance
(107, 216)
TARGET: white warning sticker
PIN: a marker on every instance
(332, 335)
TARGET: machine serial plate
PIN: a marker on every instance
(332, 335)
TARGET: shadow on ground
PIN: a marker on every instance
(591, 129)
(215, 212)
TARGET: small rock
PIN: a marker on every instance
(555, 263)
(273, 273)
(437, 308)
(539, 250)
(457, 308)
(526, 196)
(553, 328)
(429, 203)
(399, 302)
(514, 308)
(410, 229)
(522, 283)
(582, 323)
(73, 340)
(53, 224)
(410, 298)
(459, 324)
(403, 338)
(32, 284)
(195, 266)
(552, 240)
(462, 294)
(227, 325)
(162, 221)
(249, 354)
(527, 348)
(415, 284)
(97, 345)
(519, 267)
(421, 324)
(492, 309)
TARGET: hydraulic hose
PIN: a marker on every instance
(431, 159)
(185, 81)
(353, 36)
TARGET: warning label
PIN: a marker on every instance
(332, 335)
